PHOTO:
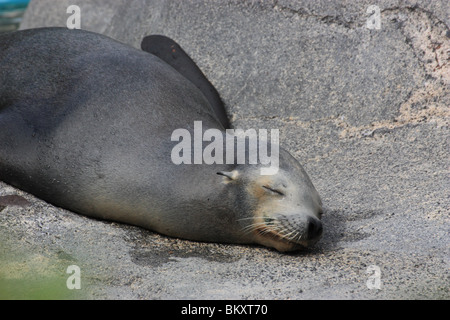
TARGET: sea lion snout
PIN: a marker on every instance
(297, 228)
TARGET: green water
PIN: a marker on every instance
(11, 15)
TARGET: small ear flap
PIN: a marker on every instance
(232, 175)
(169, 51)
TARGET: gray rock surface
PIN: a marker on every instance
(364, 110)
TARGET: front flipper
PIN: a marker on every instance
(169, 51)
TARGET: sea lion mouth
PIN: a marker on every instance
(273, 238)
(274, 235)
(286, 234)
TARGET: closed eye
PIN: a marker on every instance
(273, 190)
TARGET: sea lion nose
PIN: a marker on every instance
(314, 228)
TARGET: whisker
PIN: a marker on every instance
(253, 227)
(297, 236)
(292, 235)
(273, 227)
(249, 218)
(265, 230)
(288, 235)
(256, 224)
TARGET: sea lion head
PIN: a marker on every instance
(282, 210)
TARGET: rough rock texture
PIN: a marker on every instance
(364, 110)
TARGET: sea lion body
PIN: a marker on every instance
(86, 124)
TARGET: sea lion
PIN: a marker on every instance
(86, 124)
